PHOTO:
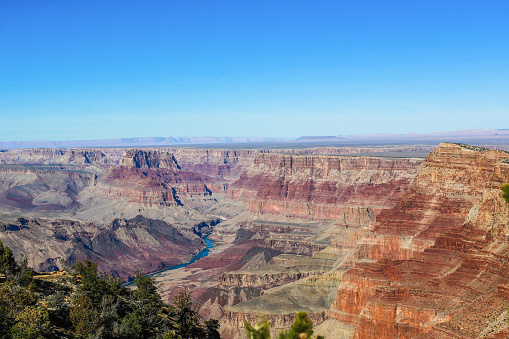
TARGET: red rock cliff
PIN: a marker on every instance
(155, 178)
(319, 187)
(442, 254)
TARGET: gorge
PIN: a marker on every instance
(369, 246)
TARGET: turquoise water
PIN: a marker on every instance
(203, 253)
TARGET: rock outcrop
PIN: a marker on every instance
(441, 254)
(149, 159)
(226, 165)
(33, 187)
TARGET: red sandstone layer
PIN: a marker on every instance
(442, 254)
(320, 187)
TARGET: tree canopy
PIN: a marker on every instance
(87, 304)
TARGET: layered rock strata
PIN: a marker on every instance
(53, 156)
(441, 259)
(321, 187)
(33, 187)
(155, 178)
(217, 163)
(120, 247)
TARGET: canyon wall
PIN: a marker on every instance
(156, 178)
(217, 163)
(312, 209)
(435, 265)
(321, 187)
(53, 156)
(39, 188)
(120, 247)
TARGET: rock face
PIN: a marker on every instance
(32, 187)
(320, 187)
(357, 150)
(120, 247)
(149, 159)
(155, 178)
(53, 156)
(441, 254)
(294, 246)
(216, 163)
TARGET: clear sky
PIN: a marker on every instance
(74, 70)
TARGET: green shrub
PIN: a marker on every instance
(302, 328)
(505, 192)
(32, 323)
(258, 331)
(84, 316)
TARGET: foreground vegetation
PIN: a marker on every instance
(302, 328)
(82, 303)
(86, 304)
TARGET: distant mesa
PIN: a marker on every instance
(134, 142)
(465, 136)
(435, 135)
(468, 134)
(316, 137)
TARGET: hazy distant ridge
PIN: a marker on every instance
(409, 136)
(454, 136)
(133, 142)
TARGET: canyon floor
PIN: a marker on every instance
(373, 241)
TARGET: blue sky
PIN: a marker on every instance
(73, 70)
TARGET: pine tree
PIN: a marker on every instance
(148, 305)
(91, 283)
(8, 264)
(211, 329)
(185, 317)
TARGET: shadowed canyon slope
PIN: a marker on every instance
(370, 247)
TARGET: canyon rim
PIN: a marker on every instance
(370, 241)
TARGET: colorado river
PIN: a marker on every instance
(202, 254)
